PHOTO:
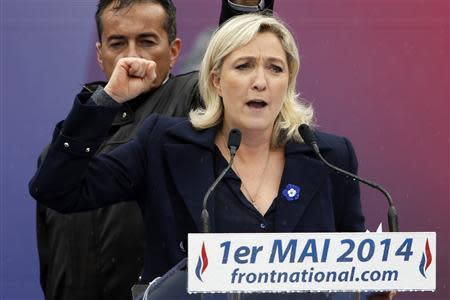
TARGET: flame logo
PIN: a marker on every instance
(202, 263)
(426, 260)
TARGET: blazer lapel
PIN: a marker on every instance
(190, 160)
(305, 172)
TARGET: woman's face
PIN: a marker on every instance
(253, 82)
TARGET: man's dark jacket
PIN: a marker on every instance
(100, 254)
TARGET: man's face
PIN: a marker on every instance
(136, 31)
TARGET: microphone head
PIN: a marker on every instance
(234, 139)
(307, 134)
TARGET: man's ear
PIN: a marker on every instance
(174, 48)
(98, 46)
(215, 78)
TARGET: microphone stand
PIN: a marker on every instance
(309, 139)
(234, 140)
(392, 211)
(205, 214)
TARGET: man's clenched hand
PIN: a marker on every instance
(131, 77)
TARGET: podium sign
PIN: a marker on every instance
(311, 262)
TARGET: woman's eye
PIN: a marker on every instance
(276, 69)
(243, 66)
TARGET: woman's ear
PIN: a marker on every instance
(215, 78)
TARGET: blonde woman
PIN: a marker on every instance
(247, 81)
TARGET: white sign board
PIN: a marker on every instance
(314, 262)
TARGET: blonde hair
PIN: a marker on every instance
(234, 34)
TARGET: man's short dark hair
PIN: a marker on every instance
(170, 23)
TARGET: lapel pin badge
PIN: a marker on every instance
(291, 192)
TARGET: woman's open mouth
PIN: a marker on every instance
(256, 103)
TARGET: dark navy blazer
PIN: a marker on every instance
(169, 166)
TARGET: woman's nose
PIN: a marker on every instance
(260, 81)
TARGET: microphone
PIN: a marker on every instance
(309, 138)
(234, 140)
